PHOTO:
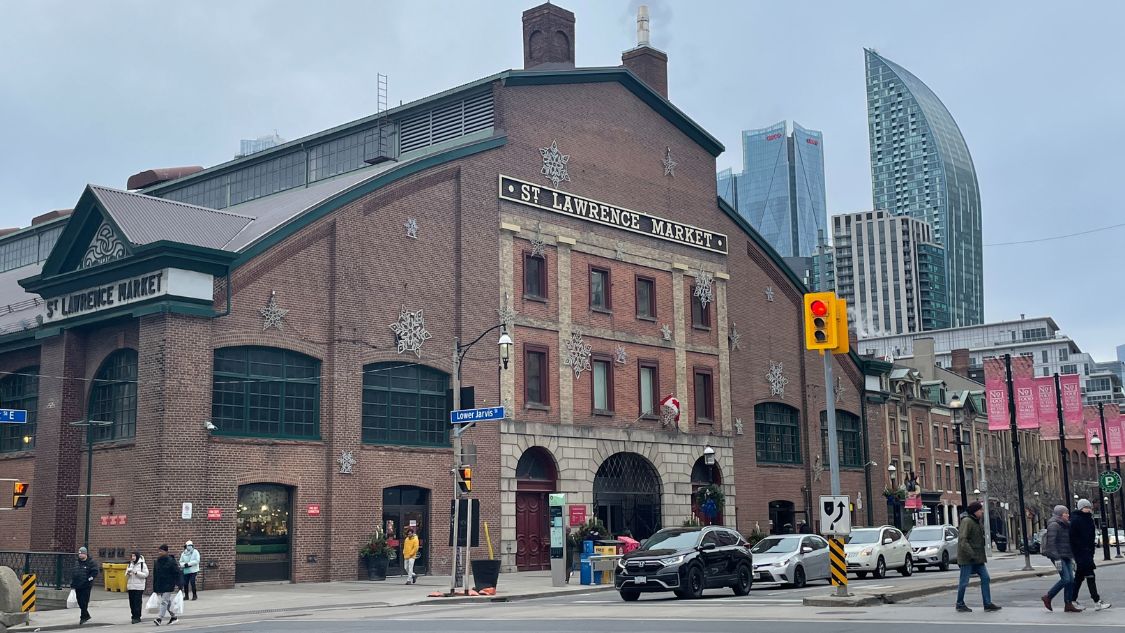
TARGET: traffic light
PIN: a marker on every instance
(465, 479)
(19, 494)
(820, 321)
(843, 341)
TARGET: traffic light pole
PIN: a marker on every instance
(830, 404)
(455, 564)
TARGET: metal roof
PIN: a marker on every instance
(20, 307)
(146, 219)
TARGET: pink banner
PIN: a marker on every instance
(1048, 408)
(996, 394)
(1023, 386)
(1093, 427)
(1072, 406)
(1115, 438)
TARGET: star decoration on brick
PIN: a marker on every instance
(620, 356)
(666, 332)
(554, 164)
(738, 426)
(769, 293)
(704, 288)
(410, 331)
(347, 462)
(776, 377)
(537, 243)
(734, 337)
(577, 355)
(412, 228)
(273, 315)
(669, 164)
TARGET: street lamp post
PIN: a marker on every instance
(1096, 444)
(88, 425)
(956, 404)
(1112, 501)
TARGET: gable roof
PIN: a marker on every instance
(146, 219)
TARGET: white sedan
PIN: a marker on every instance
(874, 550)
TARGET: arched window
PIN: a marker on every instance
(405, 405)
(265, 392)
(113, 397)
(19, 390)
(848, 437)
(777, 433)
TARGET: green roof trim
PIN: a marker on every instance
(631, 82)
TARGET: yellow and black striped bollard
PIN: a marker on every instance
(27, 603)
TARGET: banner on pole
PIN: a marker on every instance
(1115, 438)
(1093, 427)
(1072, 406)
(996, 393)
(1023, 386)
(1048, 407)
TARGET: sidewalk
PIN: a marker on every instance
(263, 598)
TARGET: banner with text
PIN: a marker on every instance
(1072, 405)
(996, 394)
(1048, 407)
(1023, 386)
(1115, 435)
(1093, 427)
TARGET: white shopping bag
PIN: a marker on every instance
(178, 604)
(153, 604)
(72, 600)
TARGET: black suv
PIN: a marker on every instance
(687, 561)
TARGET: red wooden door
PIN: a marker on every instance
(533, 541)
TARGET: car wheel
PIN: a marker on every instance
(862, 575)
(944, 566)
(907, 568)
(880, 568)
(630, 596)
(799, 577)
(745, 581)
(694, 588)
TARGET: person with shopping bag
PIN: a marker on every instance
(167, 579)
(136, 575)
(82, 582)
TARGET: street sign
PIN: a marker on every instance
(1109, 482)
(13, 416)
(835, 520)
(465, 416)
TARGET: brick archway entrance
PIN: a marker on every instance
(535, 479)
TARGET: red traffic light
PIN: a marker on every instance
(818, 308)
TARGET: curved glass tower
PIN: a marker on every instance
(921, 167)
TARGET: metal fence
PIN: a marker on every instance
(51, 568)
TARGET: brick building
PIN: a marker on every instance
(271, 340)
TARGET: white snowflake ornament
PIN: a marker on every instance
(410, 331)
(577, 355)
(704, 288)
(554, 164)
(776, 377)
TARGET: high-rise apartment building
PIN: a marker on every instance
(891, 271)
(921, 167)
(260, 144)
(781, 188)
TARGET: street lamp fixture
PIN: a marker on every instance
(976, 491)
(505, 344)
(1096, 444)
(709, 455)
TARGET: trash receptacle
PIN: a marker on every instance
(113, 575)
(1001, 543)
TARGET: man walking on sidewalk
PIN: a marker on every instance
(1082, 544)
(1056, 546)
(167, 578)
(971, 558)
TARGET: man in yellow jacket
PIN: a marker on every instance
(409, 555)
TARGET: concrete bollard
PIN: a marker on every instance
(10, 594)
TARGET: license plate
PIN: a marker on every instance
(764, 576)
(640, 580)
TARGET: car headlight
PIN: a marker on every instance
(781, 563)
(867, 551)
(672, 560)
(929, 551)
(620, 565)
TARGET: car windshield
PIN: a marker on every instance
(776, 544)
(860, 537)
(927, 534)
(673, 539)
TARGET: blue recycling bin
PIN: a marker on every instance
(585, 568)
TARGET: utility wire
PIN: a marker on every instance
(1059, 237)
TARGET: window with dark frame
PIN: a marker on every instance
(777, 433)
(535, 372)
(265, 392)
(599, 289)
(20, 390)
(602, 387)
(534, 276)
(848, 438)
(405, 405)
(704, 396)
(700, 315)
(113, 397)
(646, 298)
(648, 378)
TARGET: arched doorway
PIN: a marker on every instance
(703, 475)
(535, 479)
(263, 540)
(403, 507)
(627, 495)
(783, 517)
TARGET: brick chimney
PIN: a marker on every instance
(548, 37)
(645, 61)
(960, 362)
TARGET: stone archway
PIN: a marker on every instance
(627, 495)
(536, 477)
(703, 475)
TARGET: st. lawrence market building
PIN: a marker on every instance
(272, 340)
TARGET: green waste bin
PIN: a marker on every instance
(113, 575)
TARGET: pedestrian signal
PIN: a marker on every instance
(19, 494)
(465, 479)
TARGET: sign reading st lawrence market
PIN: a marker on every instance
(104, 297)
(584, 208)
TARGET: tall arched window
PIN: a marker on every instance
(777, 433)
(19, 390)
(265, 392)
(848, 438)
(405, 404)
(113, 397)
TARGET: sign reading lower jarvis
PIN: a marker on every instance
(464, 416)
(158, 283)
(618, 217)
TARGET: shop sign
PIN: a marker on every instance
(166, 282)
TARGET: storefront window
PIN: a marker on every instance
(262, 541)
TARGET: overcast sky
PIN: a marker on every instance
(91, 92)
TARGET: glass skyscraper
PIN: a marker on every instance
(921, 167)
(781, 188)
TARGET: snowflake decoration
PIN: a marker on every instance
(537, 244)
(507, 314)
(704, 288)
(738, 426)
(410, 330)
(346, 461)
(620, 356)
(735, 337)
(838, 390)
(666, 332)
(776, 377)
(769, 294)
(272, 314)
(554, 164)
(577, 355)
(412, 228)
(669, 164)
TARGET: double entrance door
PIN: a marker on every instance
(533, 538)
(403, 507)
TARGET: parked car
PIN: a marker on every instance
(792, 559)
(933, 546)
(686, 561)
(874, 550)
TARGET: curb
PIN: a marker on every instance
(501, 598)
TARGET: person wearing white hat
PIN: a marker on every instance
(189, 562)
(1082, 544)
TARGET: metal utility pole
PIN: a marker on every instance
(1112, 501)
(961, 458)
(1062, 442)
(1016, 457)
(456, 564)
(984, 500)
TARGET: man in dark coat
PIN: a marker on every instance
(971, 558)
(82, 581)
(166, 581)
(1082, 544)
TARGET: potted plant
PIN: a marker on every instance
(377, 554)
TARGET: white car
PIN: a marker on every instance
(791, 559)
(933, 546)
(874, 550)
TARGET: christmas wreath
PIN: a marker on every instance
(710, 501)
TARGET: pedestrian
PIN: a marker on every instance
(189, 562)
(805, 529)
(167, 578)
(82, 582)
(1082, 544)
(1056, 546)
(409, 555)
(136, 575)
(972, 559)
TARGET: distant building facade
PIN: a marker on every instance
(260, 144)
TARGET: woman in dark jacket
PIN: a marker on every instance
(82, 581)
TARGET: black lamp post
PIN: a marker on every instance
(956, 405)
(1096, 444)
